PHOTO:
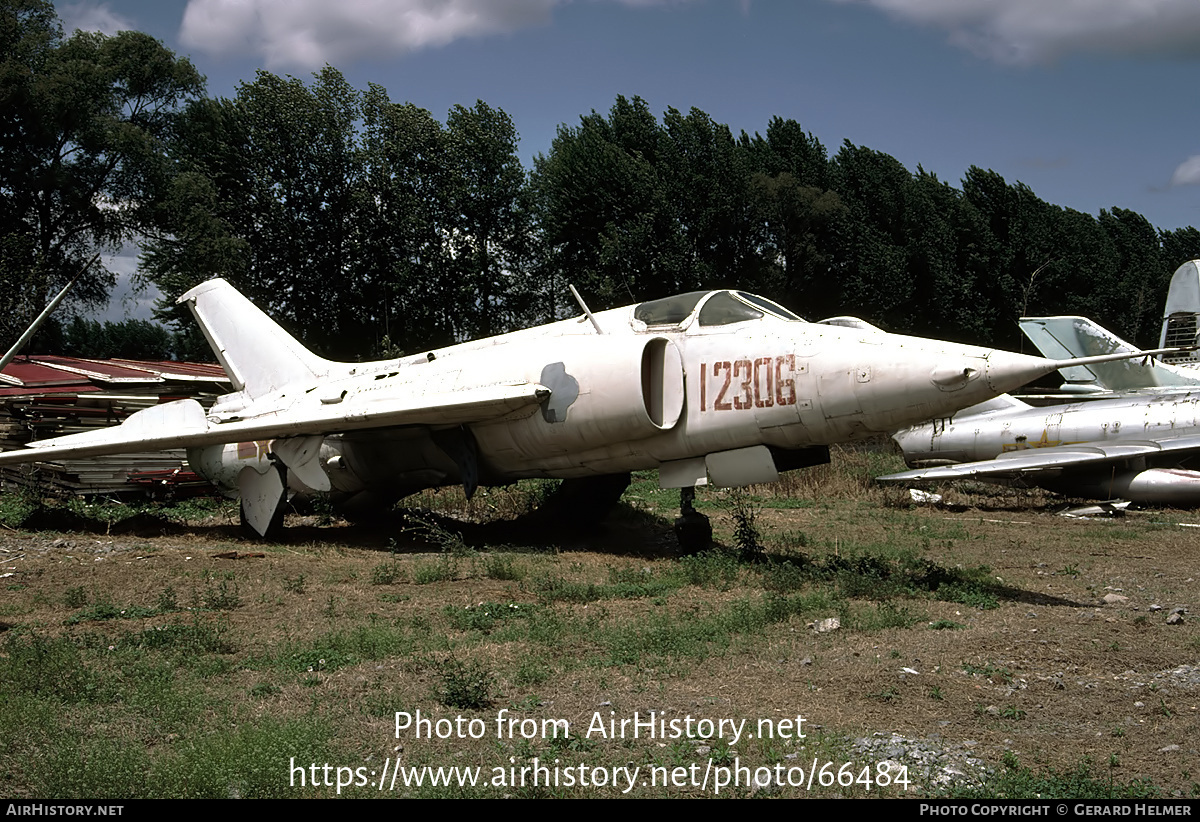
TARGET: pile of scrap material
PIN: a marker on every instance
(50, 396)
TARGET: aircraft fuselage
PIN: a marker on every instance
(637, 396)
(723, 387)
(978, 437)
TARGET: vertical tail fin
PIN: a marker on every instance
(1067, 337)
(1181, 313)
(257, 354)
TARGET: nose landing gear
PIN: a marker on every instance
(692, 529)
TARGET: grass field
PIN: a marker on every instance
(158, 653)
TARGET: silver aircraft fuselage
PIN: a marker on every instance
(1142, 448)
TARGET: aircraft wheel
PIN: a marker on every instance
(694, 533)
(366, 508)
(584, 501)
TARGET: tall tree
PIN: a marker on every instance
(1179, 246)
(490, 217)
(871, 270)
(708, 176)
(1021, 248)
(404, 222)
(1076, 278)
(796, 209)
(304, 183)
(350, 218)
(943, 236)
(1141, 276)
(266, 193)
(203, 223)
(83, 127)
(605, 210)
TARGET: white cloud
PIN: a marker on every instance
(1188, 172)
(1028, 31)
(310, 33)
(88, 16)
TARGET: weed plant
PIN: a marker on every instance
(390, 572)
(463, 685)
(1016, 781)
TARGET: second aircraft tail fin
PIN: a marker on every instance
(1067, 337)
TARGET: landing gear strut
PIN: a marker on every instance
(692, 529)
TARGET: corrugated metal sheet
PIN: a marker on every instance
(50, 396)
(35, 371)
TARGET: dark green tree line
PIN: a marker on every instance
(348, 217)
(128, 339)
(365, 225)
(634, 209)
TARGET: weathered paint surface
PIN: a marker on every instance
(1136, 448)
(1062, 337)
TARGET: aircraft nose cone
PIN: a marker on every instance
(1006, 371)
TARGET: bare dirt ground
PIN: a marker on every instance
(1030, 670)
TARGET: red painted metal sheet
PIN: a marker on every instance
(34, 374)
(37, 373)
(180, 370)
(101, 370)
(48, 390)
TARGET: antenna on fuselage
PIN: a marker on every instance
(586, 310)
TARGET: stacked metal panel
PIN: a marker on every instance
(50, 396)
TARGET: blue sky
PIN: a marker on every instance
(1089, 102)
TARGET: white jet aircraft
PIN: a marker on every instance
(717, 386)
(1144, 449)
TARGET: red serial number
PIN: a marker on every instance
(756, 383)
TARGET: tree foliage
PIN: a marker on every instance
(348, 217)
(128, 339)
(365, 225)
(83, 126)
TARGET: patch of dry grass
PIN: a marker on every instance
(982, 623)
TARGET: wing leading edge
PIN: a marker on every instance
(183, 423)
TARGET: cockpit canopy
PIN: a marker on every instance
(850, 322)
(716, 308)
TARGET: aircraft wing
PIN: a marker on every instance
(1016, 464)
(184, 424)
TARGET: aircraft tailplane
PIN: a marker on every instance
(257, 354)
(1067, 337)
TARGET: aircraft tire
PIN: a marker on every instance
(694, 533)
(366, 508)
(584, 501)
